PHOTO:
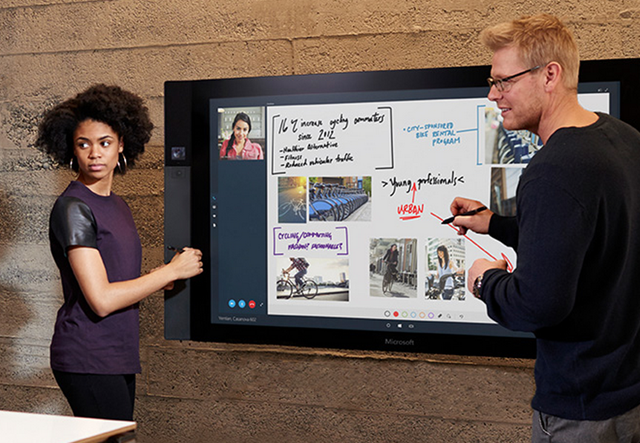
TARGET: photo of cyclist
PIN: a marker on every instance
(301, 265)
(329, 282)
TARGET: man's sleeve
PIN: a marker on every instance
(505, 230)
(541, 291)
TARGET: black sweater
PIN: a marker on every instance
(577, 282)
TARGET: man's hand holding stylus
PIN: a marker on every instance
(478, 223)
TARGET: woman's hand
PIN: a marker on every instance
(186, 264)
(105, 297)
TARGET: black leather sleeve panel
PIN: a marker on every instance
(72, 223)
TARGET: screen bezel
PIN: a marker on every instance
(187, 124)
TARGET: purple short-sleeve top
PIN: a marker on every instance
(83, 342)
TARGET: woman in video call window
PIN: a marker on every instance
(239, 147)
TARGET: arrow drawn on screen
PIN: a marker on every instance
(414, 210)
(503, 256)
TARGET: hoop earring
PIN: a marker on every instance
(71, 163)
(124, 162)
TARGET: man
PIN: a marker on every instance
(301, 265)
(577, 236)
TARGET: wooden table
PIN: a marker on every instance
(22, 427)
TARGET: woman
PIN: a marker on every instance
(446, 269)
(391, 259)
(239, 146)
(95, 244)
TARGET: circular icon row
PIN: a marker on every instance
(242, 304)
(423, 315)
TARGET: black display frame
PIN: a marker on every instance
(187, 141)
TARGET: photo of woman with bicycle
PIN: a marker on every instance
(446, 261)
(393, 267)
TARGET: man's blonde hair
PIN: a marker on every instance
(540, 39)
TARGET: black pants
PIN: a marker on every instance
(99, 396)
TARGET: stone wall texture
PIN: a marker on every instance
(211, 392)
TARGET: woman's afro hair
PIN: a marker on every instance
(122, 110)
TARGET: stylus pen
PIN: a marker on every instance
(446, 221)
(173, 248)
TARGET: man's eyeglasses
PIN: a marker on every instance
(504, 84)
